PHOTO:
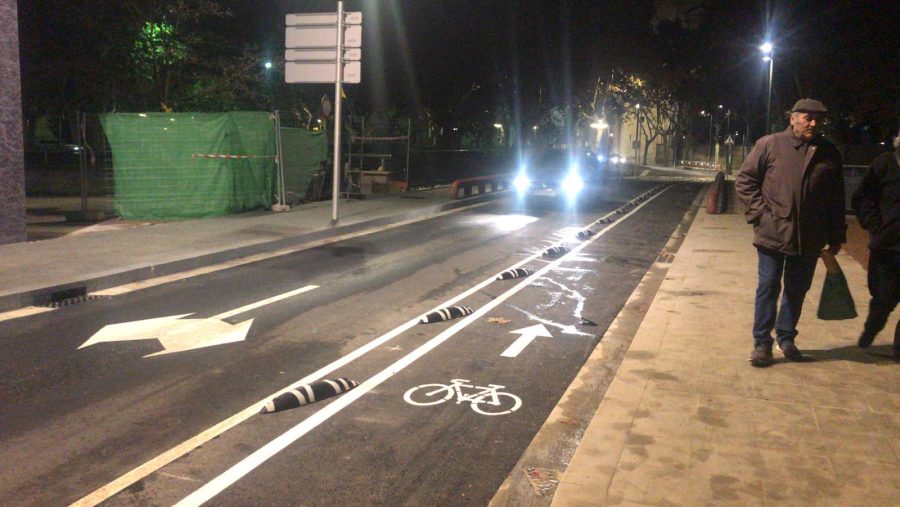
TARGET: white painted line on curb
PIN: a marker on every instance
(245, 466)
(140, 472)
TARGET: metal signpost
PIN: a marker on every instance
(729, 145)
(325, 48)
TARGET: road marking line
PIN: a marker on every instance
(245, 466)
(264, 302)
(141, 471)
(24, 312)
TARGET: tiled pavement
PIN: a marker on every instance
(687, 421)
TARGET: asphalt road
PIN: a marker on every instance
(75, 419)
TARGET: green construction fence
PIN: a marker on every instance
(170, 166)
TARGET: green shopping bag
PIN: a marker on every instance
(836, 302)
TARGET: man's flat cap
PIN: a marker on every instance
(809, 106)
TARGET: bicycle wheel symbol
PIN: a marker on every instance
(428, 394)
(506, 404)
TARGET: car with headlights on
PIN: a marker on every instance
(559, 173)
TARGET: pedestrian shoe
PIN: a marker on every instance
(865, 339)
(790, 351)
(761, 356)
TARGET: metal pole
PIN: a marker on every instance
(338, 74)
(769, 98)
(709, 153)
(82, 161)
(279, 159)
(637, 135)
(408, 137)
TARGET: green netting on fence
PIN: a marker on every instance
(176, 165)
(302, 153)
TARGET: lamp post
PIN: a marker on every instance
(766, 49)
(637, 134)
(709, 152)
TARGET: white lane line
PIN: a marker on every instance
(248, 464)
(140, 472)
(264, 302)
(24, 312)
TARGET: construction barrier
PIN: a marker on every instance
(496, 182)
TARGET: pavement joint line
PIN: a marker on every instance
(261, 455)
(142, 471)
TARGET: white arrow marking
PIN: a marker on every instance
(177, 335)
(528, 335)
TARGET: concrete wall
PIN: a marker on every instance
(12, 173)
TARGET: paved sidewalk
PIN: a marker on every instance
(687, 421)
(33, 272)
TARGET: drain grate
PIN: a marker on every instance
(64, 297)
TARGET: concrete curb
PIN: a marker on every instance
(43, 296)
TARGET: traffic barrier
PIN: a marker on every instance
(511, 274)
(309, 393)
(453, 312)
(497, 182)
(556, 251)
(697, 164)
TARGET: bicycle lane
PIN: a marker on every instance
(383, 450)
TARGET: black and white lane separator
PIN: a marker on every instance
(555, 252)
(511, 274)
(453, 312)
(309, 393)
(584, 234)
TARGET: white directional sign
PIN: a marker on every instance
(528, 335)
(317, 55)
(177, 334)
(322, 18)
(321, 36)
(320, 72)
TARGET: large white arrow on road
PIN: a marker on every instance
(177, 334)
(528, 335)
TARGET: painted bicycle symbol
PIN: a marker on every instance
(487, 400)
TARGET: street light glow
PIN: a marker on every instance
(766, 48)
(268, 65)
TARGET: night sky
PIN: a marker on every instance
(430, 53)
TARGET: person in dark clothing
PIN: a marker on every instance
(877, 206)
(792, 186)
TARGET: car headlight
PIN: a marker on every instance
(522, 182)
(572, 184)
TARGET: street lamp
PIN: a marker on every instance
(767, 49)
(709, 153)
(637, 134)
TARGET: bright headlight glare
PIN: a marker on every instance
(572, 184)
(521, 183)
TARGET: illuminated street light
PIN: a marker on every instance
(767, 48)
(268, 65)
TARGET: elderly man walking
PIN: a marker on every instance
(877, 204)
(792, 186)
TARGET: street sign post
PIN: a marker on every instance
(729, 146)
(325, 48)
